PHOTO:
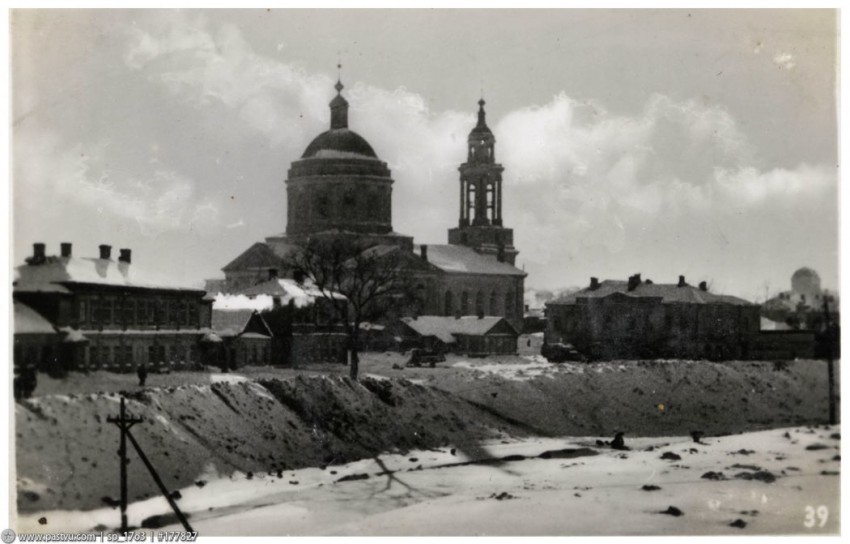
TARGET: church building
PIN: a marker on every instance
(340, 188)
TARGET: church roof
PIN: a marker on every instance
(669, 293)
(339, 143)
(258, 256)
(465, 260)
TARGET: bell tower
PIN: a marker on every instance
(480, 222)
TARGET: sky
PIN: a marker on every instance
(660, 142)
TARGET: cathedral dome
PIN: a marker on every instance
(339, 143)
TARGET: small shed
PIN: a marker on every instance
(245, 338)
(470, 335)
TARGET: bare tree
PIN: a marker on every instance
(371, 280)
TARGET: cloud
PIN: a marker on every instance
(675, 187)
(49, 168)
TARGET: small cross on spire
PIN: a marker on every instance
(339, 86)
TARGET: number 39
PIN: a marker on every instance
(816, 516)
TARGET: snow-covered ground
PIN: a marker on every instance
(578, 489)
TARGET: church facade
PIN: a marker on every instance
(340, 188)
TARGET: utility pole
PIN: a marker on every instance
(830, 365)
(124, 423)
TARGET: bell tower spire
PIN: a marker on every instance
(480, 220)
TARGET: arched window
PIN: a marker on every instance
(449, 305)
(471, 200)
(493, 302)
(479, 303)
(465, 303)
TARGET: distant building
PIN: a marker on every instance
(468, 335)
(106, 313)
(297, 317)
(640, 319)
(245, 339)
(802, 307)
(340, 188)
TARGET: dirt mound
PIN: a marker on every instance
(67, 451)
(653, 398)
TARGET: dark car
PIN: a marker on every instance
(559, 353)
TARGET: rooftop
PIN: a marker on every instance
(669, 293)
(462, 259)
(55, 273)
(445, 327)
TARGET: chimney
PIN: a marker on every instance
(272, 274)
(703, 286)
(65, 249)
(105, 251)
(634, 281)
(480, 313)
(682, 281)
(37, 253)
(594, 284)
(423, 252)
(125, 256)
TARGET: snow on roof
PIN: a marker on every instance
(242, 302)
(455, 258)
(28, 321)
(445, 327)
(56, 272)
(771, 325)
(669, 293)
(286, 290)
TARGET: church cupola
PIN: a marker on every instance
(339, 108)
(481, 141)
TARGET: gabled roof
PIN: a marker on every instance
(236, 322)
(28, 321)
(56, 273)
(465, 260)
(258, 256)
(446, 327)
(668, 293)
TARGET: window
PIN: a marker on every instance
(479, 303)
(509, 304)
(465, 303)
(449, 304)
(493, 303)
(83, 311)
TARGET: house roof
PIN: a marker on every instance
(461, 259)
(446, 327)
(235, 323)
(28, 321)
(669, 293)
(58, 272)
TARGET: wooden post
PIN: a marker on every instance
(124, 423)
(830, 365)
(159, 484)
